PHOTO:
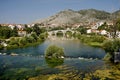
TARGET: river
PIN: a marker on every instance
(30, 61)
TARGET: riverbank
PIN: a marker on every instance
(92, 40)
(22, 42)
(25, 45)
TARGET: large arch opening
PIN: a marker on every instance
(59, 34)
(68, 34)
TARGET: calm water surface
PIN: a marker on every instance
(12, 67)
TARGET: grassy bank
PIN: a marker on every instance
(15, 46)
(22, 42)
(92, 40)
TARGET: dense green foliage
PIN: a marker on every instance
(117, 24)
(111, 46)
(6, 32)
(35, 35)
(91, 38)
(54, 52)
(17, 42)
(82, 30)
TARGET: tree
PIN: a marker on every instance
(28, 30)
(114, 28)
(14, 32)
(54, 52)
(36, 29)
(103, 26)
(34, 35)
(118, 24)
(111, 46)
(82, 30)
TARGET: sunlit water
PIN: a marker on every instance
(77, 57)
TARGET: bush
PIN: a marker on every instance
(111, 46)
(54, 52)
(1, 47)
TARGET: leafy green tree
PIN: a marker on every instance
(103, 26)
(117, 24)
(82, 30)
(23, 41)
(26, 26)
(111, 46)
(14, 32)
(6, 33)
(34, 35)
(28, 30)
(54, 52)
(36, 29)
(43, 36)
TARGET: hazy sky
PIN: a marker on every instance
(26, 11)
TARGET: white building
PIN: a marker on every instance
(89, 31)
(22, 33)
(118, 34)
(103, 32)
(11, 26)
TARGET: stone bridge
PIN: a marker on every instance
(50, 33)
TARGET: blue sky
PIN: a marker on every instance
(27, 11)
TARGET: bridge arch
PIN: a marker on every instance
(68, 34)
(60, 33)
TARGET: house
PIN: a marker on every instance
(92, 31)
(89, 31)
(11, 26)
(103, 32)
(96, 25)
(20, 27)
(22, 33)
(118, 34)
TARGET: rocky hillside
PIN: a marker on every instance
(70, 16)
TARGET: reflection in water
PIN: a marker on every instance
(53, 62)
(79, 57)
(72, 48)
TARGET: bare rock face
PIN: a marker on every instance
(70, 17)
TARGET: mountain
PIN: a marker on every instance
(70, 17)
(117, 14)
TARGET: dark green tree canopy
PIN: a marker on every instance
(54, 52)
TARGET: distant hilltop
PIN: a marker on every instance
(72, 17)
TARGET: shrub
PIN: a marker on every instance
(111, 46)
(54, 52)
